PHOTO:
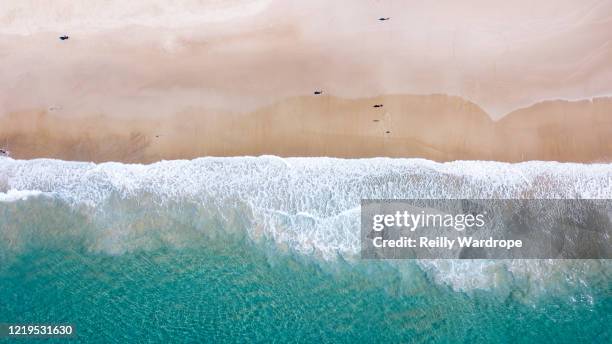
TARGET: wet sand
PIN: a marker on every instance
(435, 127)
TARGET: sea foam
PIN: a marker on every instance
(309, 206)
(18, 195)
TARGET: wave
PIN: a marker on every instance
(307, 206)
(18, 195)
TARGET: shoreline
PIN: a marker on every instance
(435, 127)
(282, 158)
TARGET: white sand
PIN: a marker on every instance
(139, 62)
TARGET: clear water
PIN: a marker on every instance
(232, 292)
(263, 250)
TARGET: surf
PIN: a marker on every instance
(305, 207)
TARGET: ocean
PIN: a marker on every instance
(266, 249)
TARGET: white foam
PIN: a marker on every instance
(311, 205)
(18, 195)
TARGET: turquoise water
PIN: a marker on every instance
(231, 292)
(264, 250)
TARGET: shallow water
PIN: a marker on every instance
(232, 292)
(255, 249)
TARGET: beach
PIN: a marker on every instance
(236, 171)
(239, 79)
(435, 127)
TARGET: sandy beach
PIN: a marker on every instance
(144, 83)
(435, 127)
(292, 171)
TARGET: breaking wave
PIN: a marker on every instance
(303, 206)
